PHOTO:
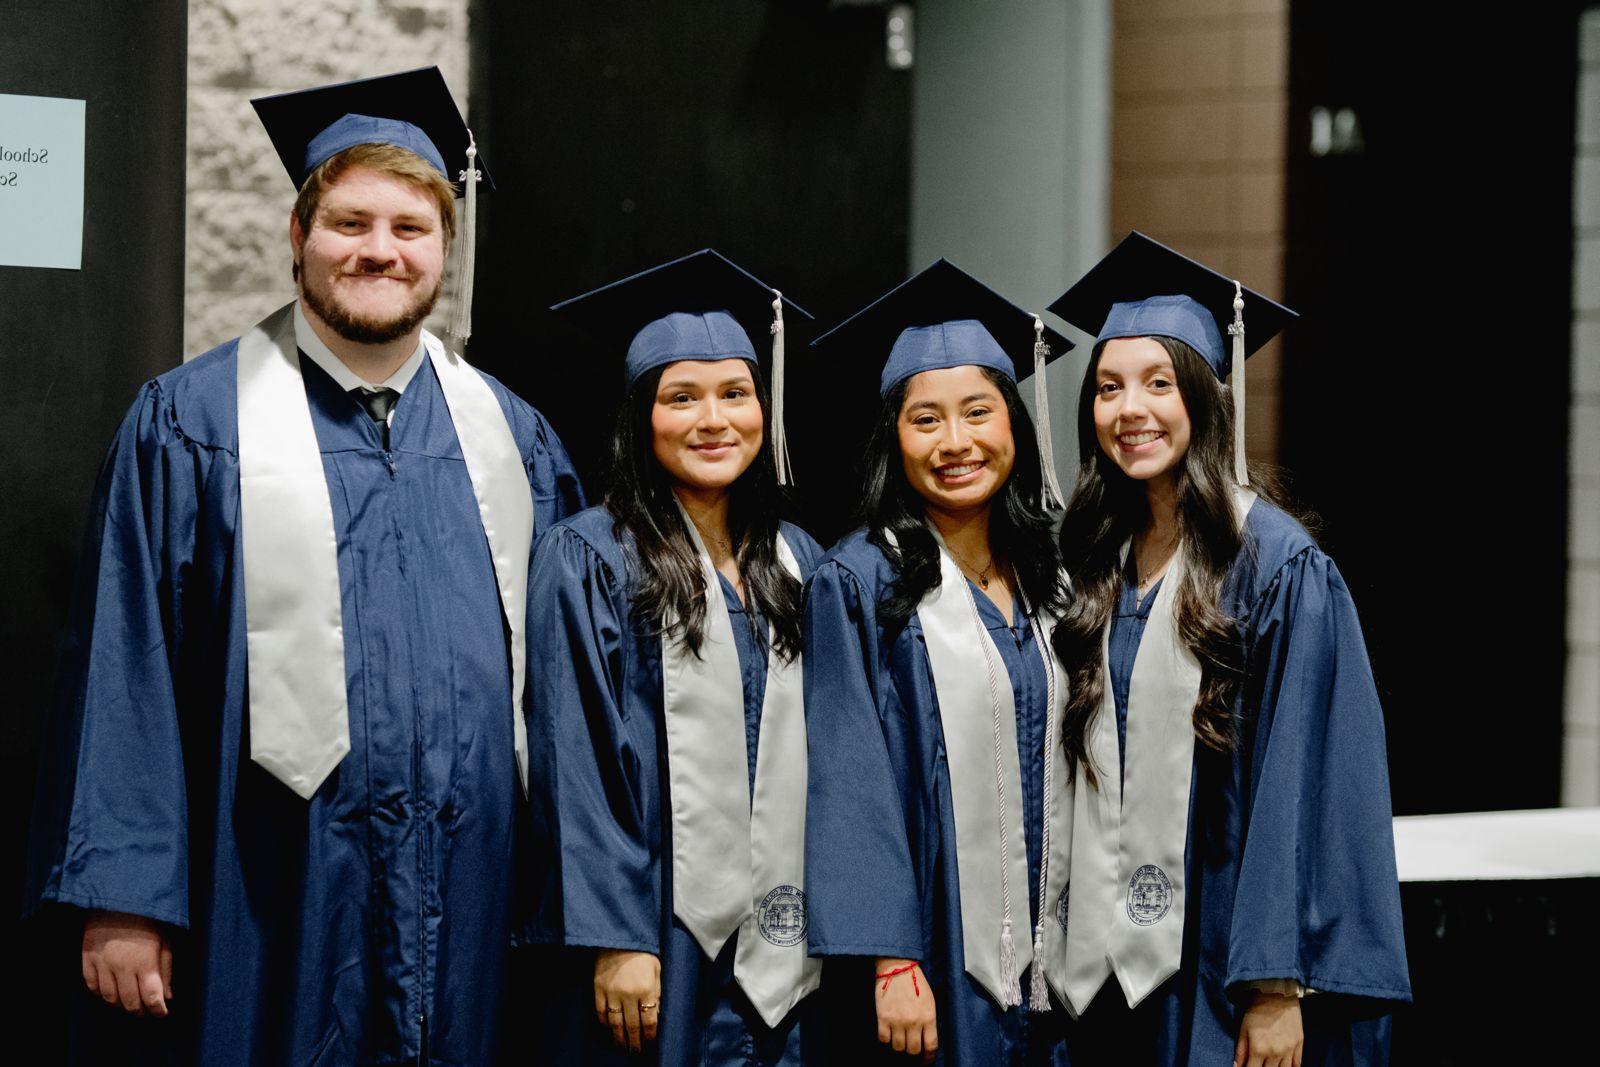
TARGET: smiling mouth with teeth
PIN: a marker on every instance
(959, 471)
(1142, 438)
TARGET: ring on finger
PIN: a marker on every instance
(648, 1007)
(613, 1011)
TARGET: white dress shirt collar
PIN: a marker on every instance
(306, 339)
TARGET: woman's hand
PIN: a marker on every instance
(627, 995)
(906, 1014)
(127, 961)
(1270, 1035)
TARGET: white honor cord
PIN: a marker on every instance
(1010, 980)
(461, 320)
(1236, 330)
(1051, 489)
(1038, 994)
(780, 440)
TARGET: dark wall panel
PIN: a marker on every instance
(1426, 389)
(77, 344)
(624, 134)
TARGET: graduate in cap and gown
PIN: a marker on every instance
(1227, 889)
(668, 730)
(281, 789)
(931, 690)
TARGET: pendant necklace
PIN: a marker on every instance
(982, 573)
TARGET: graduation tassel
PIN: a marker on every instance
(1236, 331)
(461, 320)
(1051, 491)
(1010, 984)
(780, 440)
(1038, 997)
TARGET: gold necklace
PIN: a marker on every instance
(982, 574)
(1155, 571)
(726, 544)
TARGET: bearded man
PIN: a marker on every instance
(281, 797)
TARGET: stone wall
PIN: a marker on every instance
(239, 196)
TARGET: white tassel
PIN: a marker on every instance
(1236, 380)
(780, 439)
(1038, 995)
(1010, 983)
(461, 320)
(1051, 492)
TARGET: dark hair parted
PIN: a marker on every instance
(1108, 508)
(670, 587)
(1021, 533)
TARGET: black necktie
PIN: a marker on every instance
(378, 402)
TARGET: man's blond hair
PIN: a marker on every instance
(389, 160)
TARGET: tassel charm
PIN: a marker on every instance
(461, 320)
(780, 439)
(1236, 380)
(1010, 983)
(1051, 491)
(1038, 995)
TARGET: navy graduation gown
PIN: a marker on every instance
(1290, 858)
(600, 772)
(880, 830)
(370, 924)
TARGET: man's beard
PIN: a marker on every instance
(363, 329)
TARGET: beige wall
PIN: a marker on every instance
(1199, 99)
(239, 196)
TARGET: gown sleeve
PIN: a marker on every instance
(864, 895)
(111, 819)
(557, 492)
(590, 797)
(1318, 896)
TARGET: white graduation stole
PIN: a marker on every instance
(738, 862)
(978, 717)
(299, 710)
(1118, 872)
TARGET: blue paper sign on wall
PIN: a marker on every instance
(41, 182)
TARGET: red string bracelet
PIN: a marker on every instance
(886, 975)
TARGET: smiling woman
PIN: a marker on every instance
(667, 701)
(706, 425)
(1231, 848)
(931, 691)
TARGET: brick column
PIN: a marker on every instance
(1200, 96)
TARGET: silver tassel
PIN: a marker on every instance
(1038, 995)
(780, 439)
(1010, 983)
(1236, 380)
(461, 320)
(1051, 492)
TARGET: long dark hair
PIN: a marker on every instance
(671, 588)
(1020, 527)
(1108, 508)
